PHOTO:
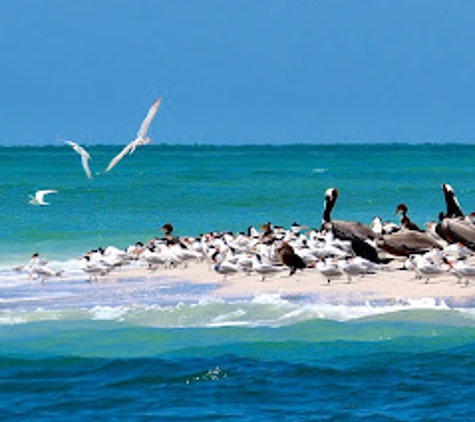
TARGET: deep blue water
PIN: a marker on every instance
(396, 368)
(151, 350)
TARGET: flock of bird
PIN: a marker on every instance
(337, 249)
(140, 139)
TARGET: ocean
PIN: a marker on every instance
(160, 349)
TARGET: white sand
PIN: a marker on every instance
(393, 284)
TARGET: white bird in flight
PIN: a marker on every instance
(84, 157)
(141, 139)
(38, 199)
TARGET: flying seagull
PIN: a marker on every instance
(141, 139)
(84, 157)
(38, 199)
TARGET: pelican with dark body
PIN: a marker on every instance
(452, 226)
(345, 230)
(357, 233)
(407, 242)
(451, 202)
(457, 230)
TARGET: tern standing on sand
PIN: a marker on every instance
(141, 139)
(84, 157)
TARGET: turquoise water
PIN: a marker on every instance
(204, 188)
(156, 349)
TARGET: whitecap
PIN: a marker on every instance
(108, 313)
(269, 299)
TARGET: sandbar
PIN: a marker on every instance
(391, 284)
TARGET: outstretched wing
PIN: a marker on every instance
(142, 133)
(71, 143)
(85, 165)
(39, 195)
(119, 156)
(79, 149)
(84, 157)
(42, 193)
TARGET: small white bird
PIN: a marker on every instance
(184, 255)
(462, 270)
(43, 272)
(84, 157)
(226, 268)
(94, 269)
(265, 269)
(355, 267)
(38, 199)
(141, 139)
(329, 269)
(154, 258)
(427, 269)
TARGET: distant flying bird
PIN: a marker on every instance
(84, 157)
(141, 139)
(38, 199)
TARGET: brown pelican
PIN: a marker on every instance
(406, 222)
(453, 206)
(345, 230)
(452, 226)
(457, 230)
(407, 242)
(358, 233)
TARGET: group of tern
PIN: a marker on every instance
(334, 250)
(339, 248)
(140, 140)
(268, 252)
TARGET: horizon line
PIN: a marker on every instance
(251, 144)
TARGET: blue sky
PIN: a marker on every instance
(237, 71)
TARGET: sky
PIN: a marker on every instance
(237, 71)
